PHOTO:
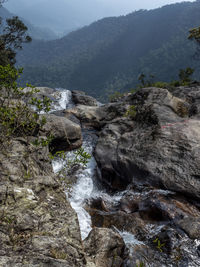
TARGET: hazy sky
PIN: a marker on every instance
(61, 15)
(120, 6)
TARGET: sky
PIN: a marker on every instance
(65, 15)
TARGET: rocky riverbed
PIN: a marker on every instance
(135, 204)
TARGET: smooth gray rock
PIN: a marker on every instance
(191, 226)
(66, 134)
(81, 98)
(160, 146)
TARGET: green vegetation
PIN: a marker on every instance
(110, 54)
(131, 112)
(79, 158)
(184, 79)
(115, 96)
(16, 117)
(194, 35)
(185, 75)
(140, 264)
(14, 35)
(159, 245)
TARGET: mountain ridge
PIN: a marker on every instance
(35, 31)
(109, 54)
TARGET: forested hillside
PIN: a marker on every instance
(109, 54)
(35, 32)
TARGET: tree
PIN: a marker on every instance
(14, 35)
(194, 34)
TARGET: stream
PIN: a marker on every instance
(86, 188)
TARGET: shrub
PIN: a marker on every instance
(131, 112)
(16, 116)
(115, 96)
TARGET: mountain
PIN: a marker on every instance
(34, 31)
(62, 16)
(109, 54)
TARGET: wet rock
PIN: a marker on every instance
(81, 98)
(159, 148)
(104, 247)
(66, 134)
(122, 221)
(168, 247)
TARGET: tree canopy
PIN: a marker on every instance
(12, 37)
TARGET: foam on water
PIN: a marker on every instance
(65, 99)
(130, 239)
(84, 187)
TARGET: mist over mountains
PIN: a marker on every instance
(63, 16)
(34, 31)
(111, 53)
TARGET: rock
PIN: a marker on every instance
(105, 248)
(81, 98)
(113, 173)
(191, 95)
(191, 226)
(160, 147)
(38, 227)
(90, 117)
(43, 91)
(66, 134)
(97, 117)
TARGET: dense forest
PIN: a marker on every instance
(110, 54)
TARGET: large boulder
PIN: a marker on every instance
(66, 134)
(160, 146)
(96, 117)
(81, 98)
(105, 248)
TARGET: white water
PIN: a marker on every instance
(64, 99)
(84, 189)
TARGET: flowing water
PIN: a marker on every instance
(85, 188)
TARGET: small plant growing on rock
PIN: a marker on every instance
(140, 264)
(115, 96)
(159, 244)
(131, 112)
(80, 158)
